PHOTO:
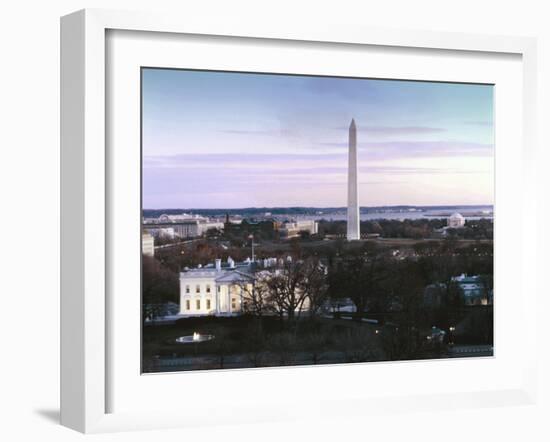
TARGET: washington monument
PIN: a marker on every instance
(353, 205)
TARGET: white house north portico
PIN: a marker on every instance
(214, 290)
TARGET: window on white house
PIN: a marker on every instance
(207, 288)
(187, 289)
(208, 304)
(187, 304)
(198, 289)
(198, 304)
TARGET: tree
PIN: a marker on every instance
(358, 278)
(315, 343)
(407, 283)
(213, 232)
(255, 343)
(314, 284)
(286, 288)
(284, 346)
(357, 345)
(392, 343)
(159, 286)
(256, 295)
(222, 345)
(486, 284)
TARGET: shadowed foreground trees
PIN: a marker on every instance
(159, 286)
(394, 316)
(360, 277)
(295, 286)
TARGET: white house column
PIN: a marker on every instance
(218, 288)
(229, 299)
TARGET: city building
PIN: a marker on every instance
(147, 244)
(456, 221)
(238, 226)
(160, 231)
(474, 289)
(217, 290)
(181, 226)
(224, 288)
(293, 229)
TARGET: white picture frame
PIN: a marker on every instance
(85, 320)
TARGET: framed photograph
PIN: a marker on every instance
(302, 219)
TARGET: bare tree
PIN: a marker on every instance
(159, 286)
(256, 295)
(358, 278)
(314, 285)
(285, 287)
(408, 285)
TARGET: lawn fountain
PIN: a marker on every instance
(195, 338)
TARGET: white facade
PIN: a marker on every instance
(353, 231)
(294, 228)
(214, 291)
(162, 232)
(473, 290)
(147, 244)
(207, 225)
(178, 218)
(456, 221)
(225, 291)
(183, 225)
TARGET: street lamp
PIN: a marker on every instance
(451, 330)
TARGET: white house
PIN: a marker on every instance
(224, 289)
(215, 290)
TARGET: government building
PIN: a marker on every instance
(215, 290)
(223, 289)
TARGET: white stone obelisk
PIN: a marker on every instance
(353, 204)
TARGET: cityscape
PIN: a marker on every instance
(383, 252)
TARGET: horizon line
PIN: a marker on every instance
(320, 207)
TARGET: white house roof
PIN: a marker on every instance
(219, 276)
(200, 273)
(234, 276)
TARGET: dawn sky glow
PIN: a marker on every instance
(232, 140)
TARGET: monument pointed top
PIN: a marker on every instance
(352, 123)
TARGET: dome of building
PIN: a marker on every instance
(456, 220)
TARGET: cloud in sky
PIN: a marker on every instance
(416, 149)
(213, 139)
(479, 123)
(397, 130)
